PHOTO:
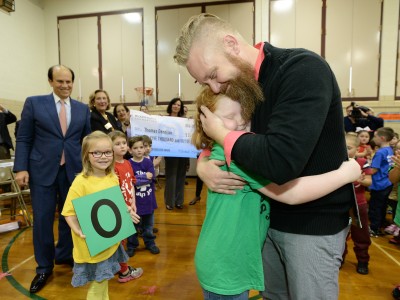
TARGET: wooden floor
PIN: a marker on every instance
(170, 275)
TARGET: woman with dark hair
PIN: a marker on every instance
(100, 119)
(175, 167)
(175, 108)
(122, 114)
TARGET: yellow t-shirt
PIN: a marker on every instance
(83, 186)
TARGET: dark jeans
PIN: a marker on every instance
(377, 207)
(393, 205)
(146, 224)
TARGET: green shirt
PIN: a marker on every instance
(228, 255)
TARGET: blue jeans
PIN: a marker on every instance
(212, 296)
(146, 224)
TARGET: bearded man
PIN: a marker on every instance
(298, 132)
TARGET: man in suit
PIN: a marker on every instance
(48, 158)
(6, 118)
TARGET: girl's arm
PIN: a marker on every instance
(365, 180)
(362, 154)
(134, 216)
(74, 224)
(309, 188)
(133, 205)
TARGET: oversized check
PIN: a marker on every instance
(171, 135)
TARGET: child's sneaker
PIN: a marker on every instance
(391, 229)
(362, 268)
(153, 249)
(133, 273)
(396, 231)
(372, 233)
(130, 252)
(395, 240)
(396, 292)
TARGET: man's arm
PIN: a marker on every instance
(375, 122)
(8, 115)
(281, 149)
(303, 98)
(217, 180)
(24, 144)
(22, 178)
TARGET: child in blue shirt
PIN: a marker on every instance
(381, 185)
(145, 196)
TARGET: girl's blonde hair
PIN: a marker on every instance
(88, 142)
(352, 137)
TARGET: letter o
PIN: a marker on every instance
(95, 220)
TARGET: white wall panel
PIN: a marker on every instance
(78, 50)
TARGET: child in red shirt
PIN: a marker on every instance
(127, 179)
(360, 236)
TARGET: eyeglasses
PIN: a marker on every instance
(98, 154)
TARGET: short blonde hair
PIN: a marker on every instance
(93, 96)
(352, 137)
(115, 134)
(88, 142)
(199, 27)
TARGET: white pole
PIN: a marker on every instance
(122, 88)
(351, 78)
(179, 84)
(80, 90)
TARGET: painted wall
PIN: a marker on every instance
(22, 52)
(30, 36)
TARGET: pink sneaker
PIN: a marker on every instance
(132, 274)
(391, 229)
(396, 231)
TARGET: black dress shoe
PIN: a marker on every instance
(194, 201)
(180, 206)
(39, 282)
(69, 262)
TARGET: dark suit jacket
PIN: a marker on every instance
(97, 121)
(40, 141)
(5, 119)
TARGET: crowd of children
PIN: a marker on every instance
(104, 166)
(378, 150)
(378, 154)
